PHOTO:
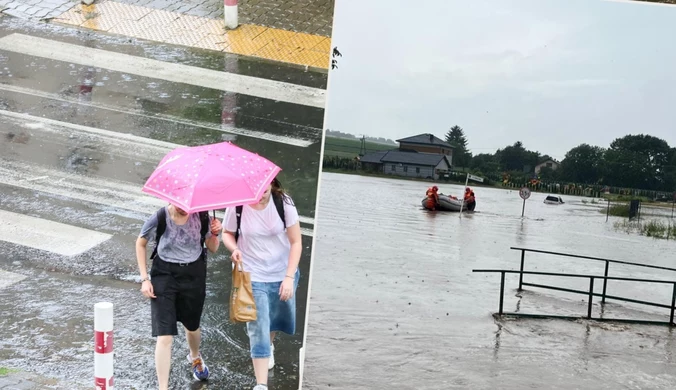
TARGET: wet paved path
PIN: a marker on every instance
(176, 28)
(78, 138)
(20, 380)
(293, 32)
(306, 16)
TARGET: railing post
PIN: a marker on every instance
(502, 290)
(230, 14)
(605, 282)
(673, 304)
(591, 295)
(523, 255)
(103, 345)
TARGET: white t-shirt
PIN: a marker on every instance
(263, 241)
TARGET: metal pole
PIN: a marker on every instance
(230, 13)
(463, 194)
(523, 255)
(502, 290)
(608, 210)
(591, 295)
(103, 345)
(673, 303)
(605, 282)
(672, 206)
(523, 209)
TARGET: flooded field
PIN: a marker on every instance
(395, 303)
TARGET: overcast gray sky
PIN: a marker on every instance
(550, 73)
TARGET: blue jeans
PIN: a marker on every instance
(273, 315)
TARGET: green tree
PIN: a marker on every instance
(583, 164)
(547, 174)
(670, 172)
(486, 164)
(456, 137)
(516, 158)
(638, 161)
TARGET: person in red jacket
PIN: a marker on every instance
(432, 198)
(470, 200)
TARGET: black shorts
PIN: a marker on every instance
(180, 291)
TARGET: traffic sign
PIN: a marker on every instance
(524, 193)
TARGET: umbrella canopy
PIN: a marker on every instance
(211, 177)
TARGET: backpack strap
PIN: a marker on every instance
(161, 227)
(238, 213)
(204, 220)
(279, 204)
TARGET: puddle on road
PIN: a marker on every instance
(55, 311)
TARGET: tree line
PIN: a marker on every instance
(340, 134)
(634, 161)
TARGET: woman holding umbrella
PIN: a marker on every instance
(202, 178)
(270, 250)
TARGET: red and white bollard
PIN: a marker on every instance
(103, 346)
(230, 13)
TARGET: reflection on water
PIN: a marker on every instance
(394, 299)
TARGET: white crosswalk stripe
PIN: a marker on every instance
(246, 85)
(169, 118)
(43, 234)
(100, 190)
(9, 278)
(31, 172)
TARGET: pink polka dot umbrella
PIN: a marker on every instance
(211, 177)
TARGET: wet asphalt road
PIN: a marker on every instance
(76, 145)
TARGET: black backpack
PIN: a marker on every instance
(162, 226)
(279, 205)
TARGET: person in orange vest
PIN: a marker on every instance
(432, 197)
(470, 200)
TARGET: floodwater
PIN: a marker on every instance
(81, 158)
(395, 304)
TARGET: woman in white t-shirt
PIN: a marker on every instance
(271, 252)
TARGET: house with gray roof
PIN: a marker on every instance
(423, 155)
(426, 143)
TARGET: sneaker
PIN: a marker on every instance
(200, 371)
(271, 361)
(260, 387)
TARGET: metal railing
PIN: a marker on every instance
(590, 293)
(605, 273)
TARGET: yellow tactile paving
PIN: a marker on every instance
(274, 35)
(205, 33)
(214, 27)
(73, 16)
(277, 51)
(155, 33)
(101, 23)
(304, 41)
(128, 27)
(188, 22)
(310, 57)
(212, 42)
(159, 17)
(186, 38)
(323, 46)
(119, 10)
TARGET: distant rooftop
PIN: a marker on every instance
(397, 156)
(426, 139)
